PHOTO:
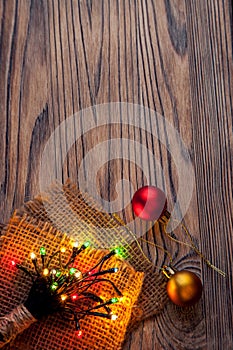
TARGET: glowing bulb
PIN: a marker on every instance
(72, 270)
(86, 244)
(114, 300)
(54, 286)
(33, 256)
(63, 297)
(114, 317)
(75, 244)
(42, 251)
(58, 273)
(117, 251)
(13, 263)
(116, 269)
(79, 333)
(78, 274)
(46, 272)
(63, 249)
(74, 297)
(53, 272)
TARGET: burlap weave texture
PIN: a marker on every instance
(20, 239)
(82, 220)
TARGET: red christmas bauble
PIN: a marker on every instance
(149, 203)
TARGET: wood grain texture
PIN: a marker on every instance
(58, 57)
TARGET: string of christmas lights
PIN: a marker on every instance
(67, 290)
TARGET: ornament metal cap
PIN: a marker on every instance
(168, 271)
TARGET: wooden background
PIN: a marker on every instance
(174, 56)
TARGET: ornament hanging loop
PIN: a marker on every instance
(164, 220)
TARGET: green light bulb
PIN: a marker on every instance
(118, 251)
(72, 270)
(42, 251)
(86, 244)
(114, 300)
(54, 286)
(58, 273)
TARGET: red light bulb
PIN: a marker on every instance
(79, 333)
(149, 203)
(13, 263)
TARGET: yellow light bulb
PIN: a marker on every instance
(75, 244)
(33, 256)
(46, 272)
(78, 274)
(63, 249)
(63, 297)
(114, 317)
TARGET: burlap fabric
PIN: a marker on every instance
(35, 225)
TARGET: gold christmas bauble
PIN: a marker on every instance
(184, 288)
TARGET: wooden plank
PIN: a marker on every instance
(58, 57)
(23, 94)
(211, 90)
